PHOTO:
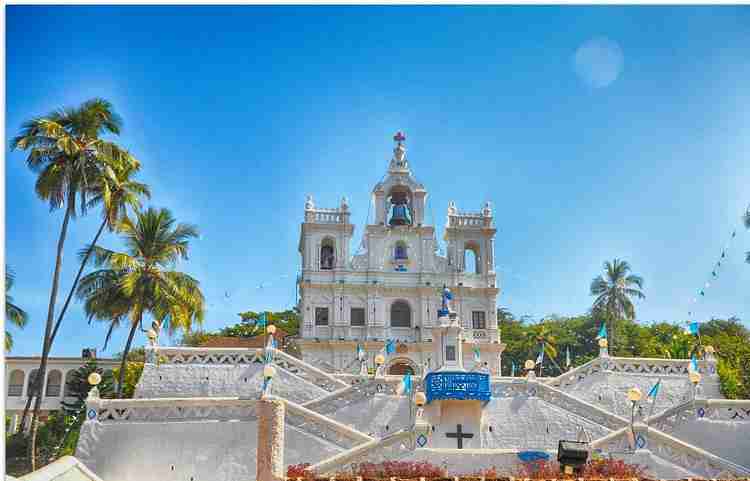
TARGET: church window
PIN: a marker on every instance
(400, 252)
(450, 353)
(400, 202)
(400, 314)
(327, 256)
(321, 316)
(358, 316)
(471, 259)
(478, 320)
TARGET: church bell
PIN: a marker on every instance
(400, 215)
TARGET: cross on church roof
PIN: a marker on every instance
(459, 435)
(399, 137)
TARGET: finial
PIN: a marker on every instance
(451, 208)
(399, 153)
(309, 204)
(399, 137)
(344, 203)
(487, 211)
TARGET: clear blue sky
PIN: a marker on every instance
(237, 112)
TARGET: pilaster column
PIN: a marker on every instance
(270, 454)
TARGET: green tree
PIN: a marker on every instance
(77, 388)
(133, 371)
(142, 280)
(615, 291)
(66, 151)
(13, 314)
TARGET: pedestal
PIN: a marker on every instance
(270, 455)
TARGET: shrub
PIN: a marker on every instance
(294, 471)
(594, 469)
(398, 469)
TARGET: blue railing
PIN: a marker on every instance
(457, 385)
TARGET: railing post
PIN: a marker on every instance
(270, 451)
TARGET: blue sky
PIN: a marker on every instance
(238, 112)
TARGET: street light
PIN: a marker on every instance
(634, 395)
(379, 361)
(94, 378)
(603, 343)
(695, 378)
(271, 329)
(269, 372)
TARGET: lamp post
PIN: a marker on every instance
(268, 373)
(379, 361)
(603, 344)
(634, 396)
(695, 378)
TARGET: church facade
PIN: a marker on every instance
(391, 288)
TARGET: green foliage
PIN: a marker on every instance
(195, 338)
(13, 314)
(133, 371)
(78, 387)
(287, 320)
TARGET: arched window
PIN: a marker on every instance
(400, 251)
(400, 201)
(54, 383)
(68, 380)
(471, 259)
(400, 314)
(15, 384)
(327, 254)
(30, 385)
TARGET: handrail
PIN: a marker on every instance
(343, 429)
(614, 421)
(344, 458)
(317, 373)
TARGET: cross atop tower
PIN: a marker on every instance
(399, 137)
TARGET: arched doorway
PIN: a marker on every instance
(402, 365)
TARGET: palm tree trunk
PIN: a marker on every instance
(84, 261)
(123, 363)
(48, 328)
(64, 309)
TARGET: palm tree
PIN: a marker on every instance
(614, 292)
(66, 151)
(541, 336)
(115, 196)
(142, 281)
(14, 314)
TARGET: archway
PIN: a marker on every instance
(402, 366)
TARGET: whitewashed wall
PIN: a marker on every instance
(186, 451)
(730, 440)
(216, 380)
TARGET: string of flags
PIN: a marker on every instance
(715, 271)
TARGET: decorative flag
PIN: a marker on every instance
(702, 293)
(261, 321)
(405, 386)
(693, 363)
(390, 346)
(512, 369)
(477, 353)
(567, 357)
(540, 357)
(693, 328)
(360, 352)
(602, 332)
(654, 389)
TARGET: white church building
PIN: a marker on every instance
(391, 288)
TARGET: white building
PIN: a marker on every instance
(19, 373)
(391, 288)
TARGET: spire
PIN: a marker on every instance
(399, 162)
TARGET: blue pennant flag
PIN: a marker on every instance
(406, 382)
(693, 328)
(654, 389)
(512, 369)
(261, 321)
(693, 364)
(602, 332)
(540, 357)
(567, 357)
(390, 346)
(477, 353)
(360, 352)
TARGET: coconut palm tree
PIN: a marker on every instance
(66, 151)
(13, 314)
(540, 337)
(614, 292)
(142, 281)
(115, 196)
